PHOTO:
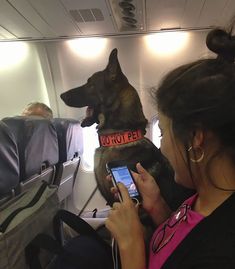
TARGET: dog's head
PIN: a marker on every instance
(99, 93)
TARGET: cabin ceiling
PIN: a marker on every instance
(55, 19)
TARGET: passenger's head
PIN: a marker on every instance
(38, 109)
(197, 100)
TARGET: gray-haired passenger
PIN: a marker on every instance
(38, 109)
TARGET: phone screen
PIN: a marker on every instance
(122, 174)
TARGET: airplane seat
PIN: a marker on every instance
(69, 133)
(38, 148)
(9, 164)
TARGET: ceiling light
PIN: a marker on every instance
(12, 53)
(168, 43)
(88, 47)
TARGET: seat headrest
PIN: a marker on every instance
(9, 161)
(37, 143)
(69, 133)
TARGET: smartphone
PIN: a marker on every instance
(120, 172)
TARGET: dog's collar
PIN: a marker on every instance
(120, 138)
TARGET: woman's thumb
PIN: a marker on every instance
(140, 169)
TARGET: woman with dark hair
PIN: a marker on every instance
(196, 106)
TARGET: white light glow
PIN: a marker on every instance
(12, 53)
(90, 143)
(156, 134)
(88, 47)
(167, 43)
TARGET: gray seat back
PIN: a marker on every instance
(9, 164)
(69, 133)
(38, 148)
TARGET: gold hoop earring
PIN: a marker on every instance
(198, 160)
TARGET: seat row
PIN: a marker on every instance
(33, 149)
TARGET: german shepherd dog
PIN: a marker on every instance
(115, 106)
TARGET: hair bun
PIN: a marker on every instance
(222, 44)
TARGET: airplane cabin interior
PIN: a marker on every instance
(50, 47)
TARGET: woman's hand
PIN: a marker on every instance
(147, 186)
(123, 220)
(124, 224)
(152, 202)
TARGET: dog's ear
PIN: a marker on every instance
(113, 65)
(113, 54)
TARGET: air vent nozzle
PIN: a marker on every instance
(129, 15)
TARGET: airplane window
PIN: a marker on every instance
(155, 132)
(90, 143)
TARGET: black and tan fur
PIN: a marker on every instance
(115, 106)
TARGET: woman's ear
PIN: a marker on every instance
(198, 137)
